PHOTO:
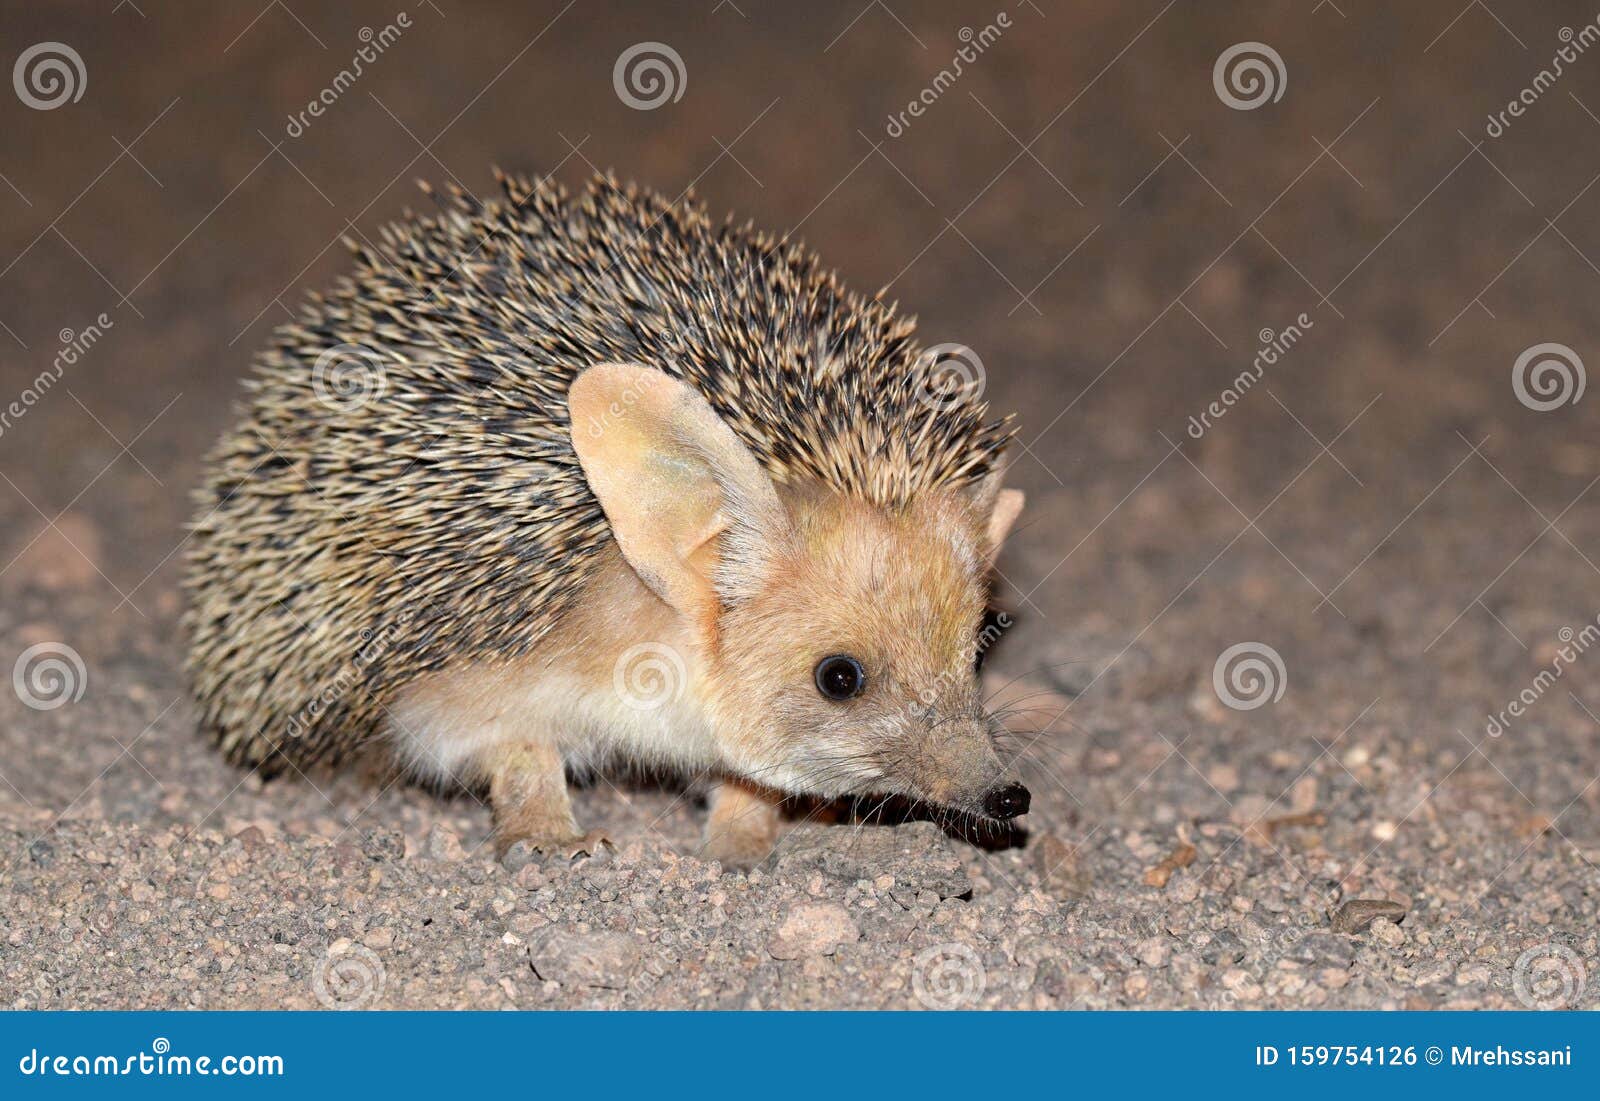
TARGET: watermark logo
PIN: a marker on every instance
(974, 45)
(48, 675)
(951, 375)
(48, 75)
(1574, 644)
(349, 976)
(961, 672)
(649, 74)
(631, 395)
(374, 43)
(160, 1061)
(74, 346)
(1274, 347)
(649, 675)
(1548, 376)
(348, 376)
(1573, 46)
(947, 976)
(374, 644)
(1248, 75)
(1549, 976)
(1248, 675)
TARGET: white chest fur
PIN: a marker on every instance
(646, 714)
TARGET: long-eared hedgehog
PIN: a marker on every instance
(556, 483)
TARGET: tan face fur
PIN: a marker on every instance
(902, 595)
(767, 583)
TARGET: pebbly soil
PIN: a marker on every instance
(1380, 512)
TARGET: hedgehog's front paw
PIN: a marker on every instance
(742, 827)
(532, 813)
(514, 852)
(587, 845)
(739, 851)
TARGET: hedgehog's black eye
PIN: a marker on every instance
(840, 677)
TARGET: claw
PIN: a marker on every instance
(588, 845)
(515, 852)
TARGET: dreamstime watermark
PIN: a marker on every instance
(649, 676)
(48, 675)
(74, 346)
(348, 376)
(157, 1062)
(374, 644)
(951, 375)
(1549, 976)
(961, 671)
(631, 394)
(1248, 675)
(349, 976)
(1575, 46)
(948, 976)
(976, 42)
(48, 75)
(1248, 75)
(1574, 644)
(373, 47)
(1274, 346)
(1548, 376)
(648, 75)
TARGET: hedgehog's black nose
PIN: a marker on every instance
(1007, 802)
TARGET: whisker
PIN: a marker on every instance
(1032, 672)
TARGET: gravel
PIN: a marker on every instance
(1351, 838)
(105, 914)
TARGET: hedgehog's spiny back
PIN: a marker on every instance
(347, 543)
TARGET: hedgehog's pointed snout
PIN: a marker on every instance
(954, 763)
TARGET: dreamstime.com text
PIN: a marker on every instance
(158, 1062)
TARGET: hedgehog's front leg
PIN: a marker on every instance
(742, 826)
(528, 795)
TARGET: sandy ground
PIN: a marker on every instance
(1413, 543)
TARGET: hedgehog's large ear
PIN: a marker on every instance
(672, 477)
(998, 509)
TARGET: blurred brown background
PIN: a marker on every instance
(1082, 209)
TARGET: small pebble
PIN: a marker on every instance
(600, 960)
(1152, 952)
(1388, 933)
(444, 845)
(813, 929)
(1356, 914)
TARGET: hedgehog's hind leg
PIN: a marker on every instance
(528, 795)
